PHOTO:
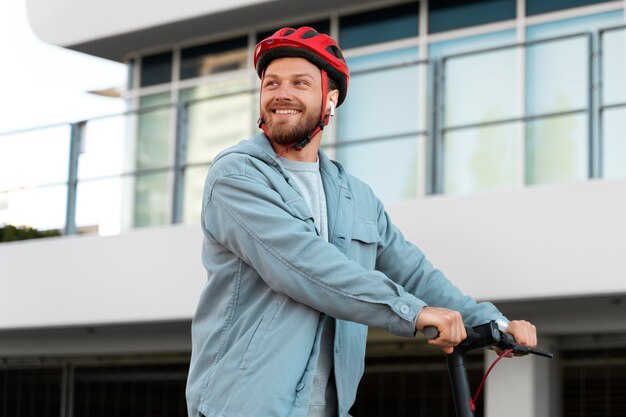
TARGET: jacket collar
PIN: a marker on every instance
(332, 169)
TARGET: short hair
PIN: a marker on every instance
(332, 84)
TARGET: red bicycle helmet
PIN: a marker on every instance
(305, 42)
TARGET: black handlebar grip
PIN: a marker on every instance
(431, 332)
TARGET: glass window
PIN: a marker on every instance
(156, 69)
(213, 58)
(476, 93)
(557, 149)
(575, 25)
(389, 166)
(38, 157)
(614, 142)
(153, 131)
(321, 26)
(534, 7)
(34, 177)
(480, 159)
(613, 67)
(557, 75)
(454, 14)
(99, 206)
(194, 187)
(24, 207)
(380, 25)
(152, 152)
(382, 102)
(151, 200)
(471, 43)
(219, 116)
(104, 148)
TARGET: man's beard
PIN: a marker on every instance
(286, 135)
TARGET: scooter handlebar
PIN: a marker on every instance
(487, 335)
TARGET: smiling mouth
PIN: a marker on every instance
(286, 111)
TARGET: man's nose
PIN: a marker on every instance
(284, 92)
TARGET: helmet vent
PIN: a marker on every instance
(309, 34)
(288, 32)
(335, 51)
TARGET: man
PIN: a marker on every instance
(302, 258)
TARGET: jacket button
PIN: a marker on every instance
(404, 309)
(300, 386)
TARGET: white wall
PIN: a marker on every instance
(68, 22)
(535, 243)
(142, 276)
(539, 242)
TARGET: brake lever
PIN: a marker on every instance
(508, 342)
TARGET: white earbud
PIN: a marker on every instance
(331, 106)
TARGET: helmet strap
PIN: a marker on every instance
(260, 121)
(323, 121)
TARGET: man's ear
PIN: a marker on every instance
(332, 97)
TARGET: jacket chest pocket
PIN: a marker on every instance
(364, 243)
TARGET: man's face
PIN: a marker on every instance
(291, 99)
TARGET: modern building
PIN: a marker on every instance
(494, 130)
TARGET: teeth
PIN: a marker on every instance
(287, 111)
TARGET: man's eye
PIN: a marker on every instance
(271, 84)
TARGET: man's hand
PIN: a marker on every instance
(448, 322)
(524, 334)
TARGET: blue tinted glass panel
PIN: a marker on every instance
(150, 200)
(388, 166)
(471, 43)
(381, 25)
(557, 150)
(192, 199)
(543, 6)
(228, 55)
(480, 159)
(613, 67)
(153, 129)
(614, 142)
(214, 123)
(575, 25)
(382, 101)
(454, 14)
(475, 92)
(156, 69)
(557, 75)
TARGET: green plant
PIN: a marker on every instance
(11, 233)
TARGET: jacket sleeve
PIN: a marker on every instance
(407, 265)
(250, 219)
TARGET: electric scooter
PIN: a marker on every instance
(485, 335)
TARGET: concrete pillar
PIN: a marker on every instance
(526, 386)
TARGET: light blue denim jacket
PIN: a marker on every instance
(256, 332)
